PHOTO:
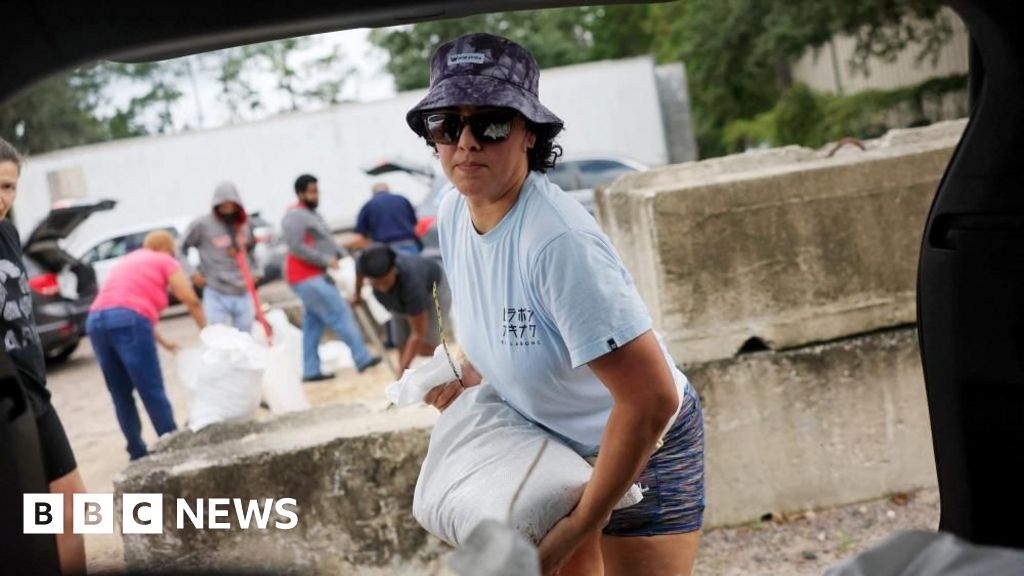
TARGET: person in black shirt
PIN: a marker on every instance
(403, 283)
(21, 342)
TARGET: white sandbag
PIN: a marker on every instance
(282, 379)
(335, 356)
(189, 362)
(227, 378)
(480, 451)
(345, 279)
(415, 383)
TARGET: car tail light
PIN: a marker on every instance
(424, 224)
(45, 284)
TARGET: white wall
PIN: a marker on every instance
(816, 68)
(608, 107)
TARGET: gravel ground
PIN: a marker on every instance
(804, 544)
(814, 541)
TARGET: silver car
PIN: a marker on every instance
(578, 176)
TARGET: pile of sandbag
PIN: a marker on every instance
(228, 375)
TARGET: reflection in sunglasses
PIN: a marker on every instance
(446, 127)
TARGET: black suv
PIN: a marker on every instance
(63, 287)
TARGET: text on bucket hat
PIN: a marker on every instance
(483, 70)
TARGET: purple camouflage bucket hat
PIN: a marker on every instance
(483, 70)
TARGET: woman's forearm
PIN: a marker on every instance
(195, 308)
(629, 439)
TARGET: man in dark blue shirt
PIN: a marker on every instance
(387, 219)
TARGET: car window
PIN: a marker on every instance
(565, 176)
(112, 248)
(593, 173)
(120, 246)
(134, 241)
(91, 256)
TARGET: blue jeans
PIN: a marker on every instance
(230, 309)
(323, 307)
(126, 350)
(405, 246)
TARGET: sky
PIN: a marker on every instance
(200, 106)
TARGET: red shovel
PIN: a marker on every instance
(243, 263)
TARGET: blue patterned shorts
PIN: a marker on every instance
(672, 482)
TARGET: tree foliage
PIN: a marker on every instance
(737, 53)
(60, 112)
(555, 37)
(79, 107)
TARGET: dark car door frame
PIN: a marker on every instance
(971, 294)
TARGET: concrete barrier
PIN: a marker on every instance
(816, 427)
(352, 473)
(782, 248)
(786, 432)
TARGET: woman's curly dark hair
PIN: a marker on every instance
(545, 152)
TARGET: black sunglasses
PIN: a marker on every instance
(487, 127)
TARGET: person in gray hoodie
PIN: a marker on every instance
(220, 237)
(311, 251)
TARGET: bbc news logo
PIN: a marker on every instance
(144, 513)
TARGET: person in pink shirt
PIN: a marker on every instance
(121, 328)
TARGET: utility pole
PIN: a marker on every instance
(195, 90)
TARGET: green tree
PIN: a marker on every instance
(556, 37)
(738, 52)
(162, 84)
(57, 113)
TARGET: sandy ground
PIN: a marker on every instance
(806, 544)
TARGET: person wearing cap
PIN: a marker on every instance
(311, 251)
(220, 236)
(403, 284)
(549, 316)
(386, 218)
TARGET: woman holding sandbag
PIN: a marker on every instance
(548, 315)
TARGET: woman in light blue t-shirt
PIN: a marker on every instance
(548, 315)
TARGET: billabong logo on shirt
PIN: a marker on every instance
(612, 344)
(466, 58)
(518, 327)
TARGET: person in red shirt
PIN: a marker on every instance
(311, 251)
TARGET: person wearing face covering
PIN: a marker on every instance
(311, 251)
(220, 236)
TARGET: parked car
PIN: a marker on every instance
(105, 251)
(63, 286)
(577, 176)
(580, 176)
